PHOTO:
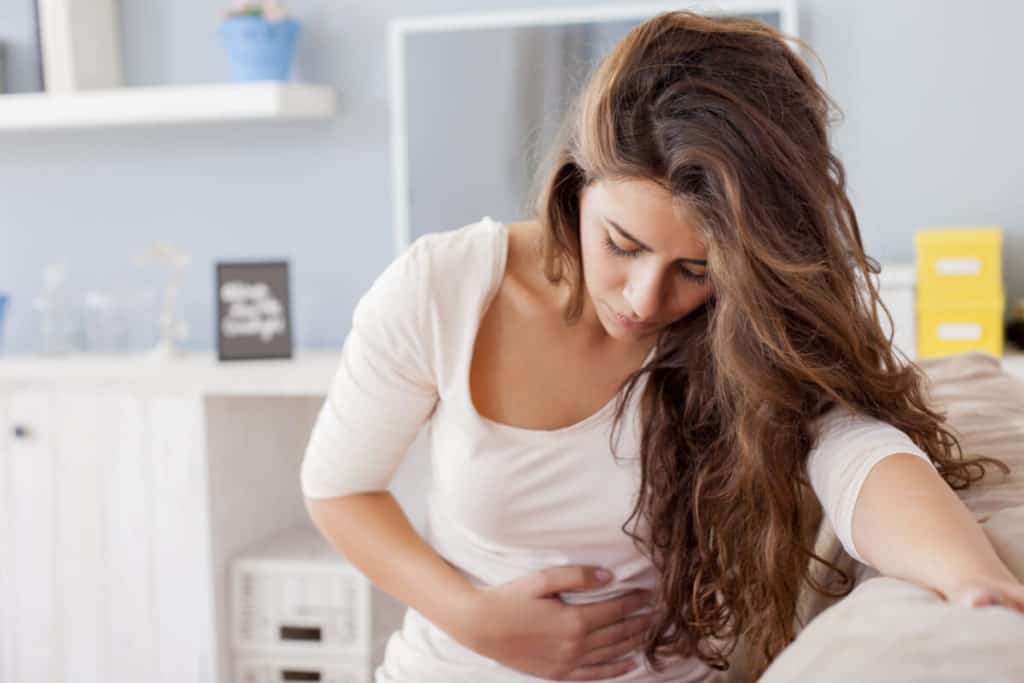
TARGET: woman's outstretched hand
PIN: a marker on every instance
(986, 592)
(526, 626)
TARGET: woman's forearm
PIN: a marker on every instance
(910, 524)
(373, 533)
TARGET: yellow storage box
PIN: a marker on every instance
(949, 326)
(959, 262)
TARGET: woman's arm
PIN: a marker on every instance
(372, 532)
(910, 524)
(522, 624)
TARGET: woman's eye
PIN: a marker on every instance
(617, 250)
(633, 253)
(689, 275)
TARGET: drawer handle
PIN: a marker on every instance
(21, 432)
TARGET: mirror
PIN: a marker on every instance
(477, 101)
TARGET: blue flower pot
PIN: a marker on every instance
(259, 50)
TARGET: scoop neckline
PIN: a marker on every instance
(500, 263)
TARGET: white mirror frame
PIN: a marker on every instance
(400, 28)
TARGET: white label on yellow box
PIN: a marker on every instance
(959, 332)
(958, 266)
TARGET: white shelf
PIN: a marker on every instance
(308, 373)
(256, 101)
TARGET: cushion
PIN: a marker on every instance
(893, 630)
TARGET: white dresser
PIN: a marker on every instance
(125, 489)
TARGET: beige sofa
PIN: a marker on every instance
(893, 630)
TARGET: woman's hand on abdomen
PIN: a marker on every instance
(524, 625)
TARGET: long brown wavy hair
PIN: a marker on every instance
(725, 115)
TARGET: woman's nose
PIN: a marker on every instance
(643, 294)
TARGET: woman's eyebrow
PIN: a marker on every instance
(622, 231)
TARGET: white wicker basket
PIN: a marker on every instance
(294, 595)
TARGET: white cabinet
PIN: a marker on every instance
(124, 493)
(127, 476)
(80, 437)
(179, 550)
(108, 573)
(30, 531)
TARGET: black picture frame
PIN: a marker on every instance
(253, 302)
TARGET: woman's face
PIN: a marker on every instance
(644, 265)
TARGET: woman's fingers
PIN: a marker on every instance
(601, 614)
(989, 598)
(566, 580)
(617, 632)
(990, 593)
(973, 598)
(613, 652)
(1014, 597)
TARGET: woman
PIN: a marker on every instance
(629, 396)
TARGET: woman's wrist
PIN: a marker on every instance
(461, 614)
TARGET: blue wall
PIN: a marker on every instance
(933, 96)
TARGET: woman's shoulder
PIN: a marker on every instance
(435, 260)
(840, 421)
(458, 268)
(437, 278)
(443, 274)
(468, 245)
(486, 253)
(843, 429)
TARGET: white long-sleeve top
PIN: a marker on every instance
(506, 501)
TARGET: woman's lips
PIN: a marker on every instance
(630, 324)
